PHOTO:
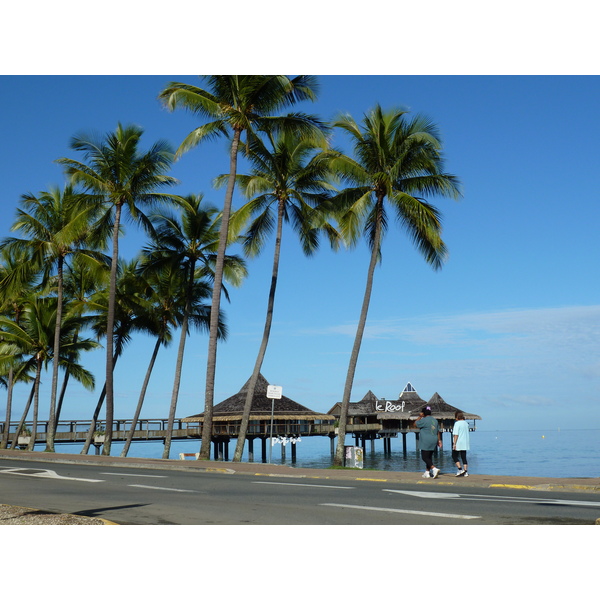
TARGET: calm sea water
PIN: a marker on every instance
(553, 453)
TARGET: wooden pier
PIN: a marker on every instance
(155, 430)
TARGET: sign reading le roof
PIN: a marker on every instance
(274, 391)
(389, 405)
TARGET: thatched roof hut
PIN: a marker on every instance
(363, 407)
(284, 408)
(442, 410)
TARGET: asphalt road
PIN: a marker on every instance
(141, 496)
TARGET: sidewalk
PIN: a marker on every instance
(589, 485)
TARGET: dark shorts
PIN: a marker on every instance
(459, 456)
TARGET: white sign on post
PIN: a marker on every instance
(274, 391)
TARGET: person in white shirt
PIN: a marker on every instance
(460, 444)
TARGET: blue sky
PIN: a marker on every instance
(508, 329)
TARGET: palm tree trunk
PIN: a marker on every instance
(339, 453)
(24, 417)
(138, 409)
(61, 397)
(110, 324)
(90, 434)
(56, 359)
(237, 457)
(179, 365)
(36, 404)
(63, 391)
(176, 383)
(211, 364)
(9, 395)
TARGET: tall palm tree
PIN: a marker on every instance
(55, 225)
(286, 186)
(188, 242)
(397, 163)
(118, 175)
(234, 105)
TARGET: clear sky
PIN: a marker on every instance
(508, 329)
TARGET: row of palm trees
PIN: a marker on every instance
(296, 178)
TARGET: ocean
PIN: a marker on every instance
(539, 453)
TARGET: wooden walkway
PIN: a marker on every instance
(76, 431)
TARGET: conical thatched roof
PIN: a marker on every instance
(366, 406)
(442, 410)
(284, 408)
(413, 402)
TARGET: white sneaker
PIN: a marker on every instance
(466, 474)
(459, 473)
(435, 472)
(426, 475)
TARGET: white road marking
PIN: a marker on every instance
(335, 487)
(482, 497)
(440, 495)
(165, 489)
(45, 473)
(135, 475)
(405, 512)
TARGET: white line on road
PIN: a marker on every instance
(165, 489)
(482, 497)
(335, 487)
(429, 495)
(134, 475)
(406, 512)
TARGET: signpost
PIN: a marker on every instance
(273, 392)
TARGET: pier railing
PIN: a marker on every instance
(76, 431)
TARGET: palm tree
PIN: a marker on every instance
(286, 186)
(187, 242)
(33, 337)
(16, 280)
(236, 104)
(55, 224)
(397, 163)
(15, 368)
(118, 175)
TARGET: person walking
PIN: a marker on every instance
(460, 444)
(429, 437)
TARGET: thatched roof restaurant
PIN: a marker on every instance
(373, 418)
(230, 411)
(290, 420)
(405, 408)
